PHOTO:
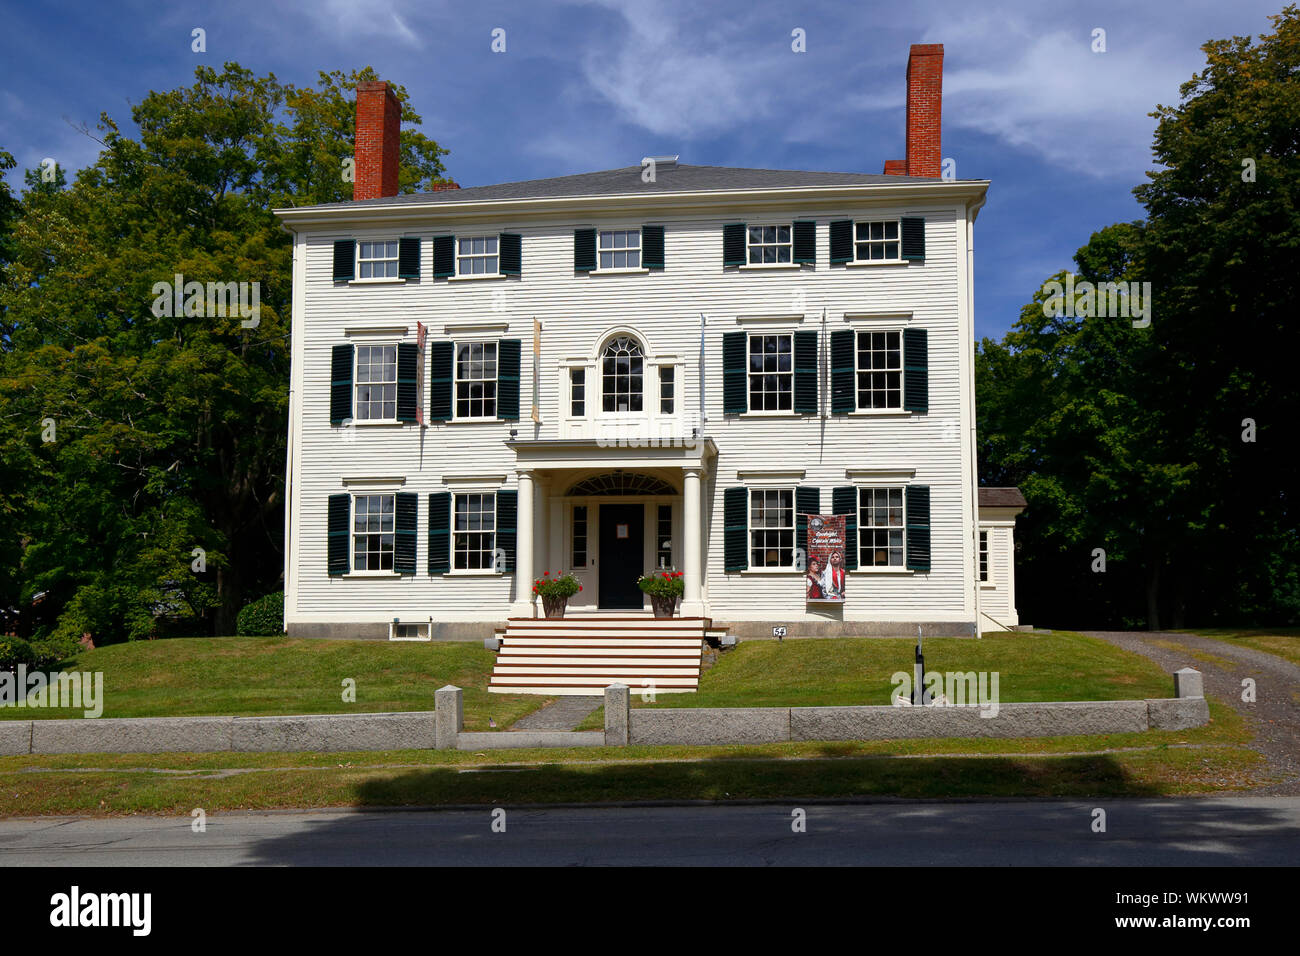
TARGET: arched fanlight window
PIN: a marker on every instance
(622, 371)
(622, 483)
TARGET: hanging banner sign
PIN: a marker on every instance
(826, 577)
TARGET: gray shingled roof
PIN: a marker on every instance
(676, 178)
(1002, 498)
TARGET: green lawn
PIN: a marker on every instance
(260, 676)
(1281, 641)
(835, 671)
(1207, 759)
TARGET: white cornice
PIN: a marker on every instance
(655, 204)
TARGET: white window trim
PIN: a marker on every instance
(484, 277)
(791, 568)
(363, 492)
(426, 624)
(900, 411)
(770, 265)
(881, 568)
(356, 356)
(492, 572)
(497, 255)
(376, 280)
(625, 270)
(455, 381)
(855, 261)
(773, 412)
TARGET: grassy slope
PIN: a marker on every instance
(835, 671)
(258, 676)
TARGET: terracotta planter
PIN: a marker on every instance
(663, 606)
(554, 606)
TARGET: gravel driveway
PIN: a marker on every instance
(1275, 714)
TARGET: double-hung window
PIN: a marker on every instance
(476, 380)
(880, 527)
(477, 256)
(879, 365)
(771, 372)
(474, 532)
(577, 392)
(877, 241)
(376, 383)
(372, 532)
(377, 260)
(667, 386)
(770, 245)
(620, 249)
(771, 527)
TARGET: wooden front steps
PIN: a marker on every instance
(582, 655)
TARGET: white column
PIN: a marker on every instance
(692, 546)
(523, 603)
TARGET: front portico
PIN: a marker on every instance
(610, 512)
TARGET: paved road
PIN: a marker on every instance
(1248, 831)
(1274, 714)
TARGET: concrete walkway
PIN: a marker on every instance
(1274, 715)
(563, 714)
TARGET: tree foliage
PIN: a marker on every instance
(130, 439)
(1135, 440)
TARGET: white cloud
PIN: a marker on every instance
(351, 19)
(673, 77)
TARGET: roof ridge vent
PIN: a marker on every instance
(660, 160)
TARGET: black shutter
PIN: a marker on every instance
(733, 244)
(844, 393)
(345, 251)
(652, 247)
(913, 233)
(841, 241)
(735, 523)
(735, 392)
(584, 250)
(917, 501)
(439, 532)
(444, 256)
(508, 379)
(844, 501)
(441, 357)
(341, 384)
(507, 531)
(805, 241)
(340, 516)
(916, 370)
(407, 401)
(408, 257)
(807, 501)
(405, 511)
(512, 254)
(805, 373)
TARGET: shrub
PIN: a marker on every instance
(50, 653)
(263, 618)
(15, 651)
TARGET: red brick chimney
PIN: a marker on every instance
(924, 113)
(379, 126)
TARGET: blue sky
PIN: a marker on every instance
(1062, 131)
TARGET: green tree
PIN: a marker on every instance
(169, 429)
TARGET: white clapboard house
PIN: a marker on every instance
(660, 366)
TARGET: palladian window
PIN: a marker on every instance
(622, 374)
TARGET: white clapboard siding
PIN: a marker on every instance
(664, 308)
